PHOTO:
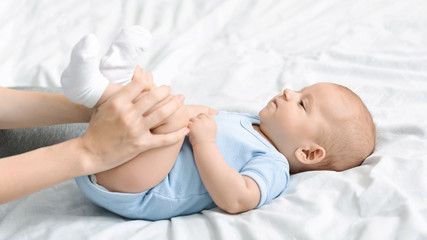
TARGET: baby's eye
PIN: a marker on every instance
(302, 104)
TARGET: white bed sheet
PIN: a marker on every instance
(234, 55)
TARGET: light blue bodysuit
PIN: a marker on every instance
(182, 191)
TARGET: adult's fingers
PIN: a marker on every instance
(149, 99)
(147, 76)
(165, 110)
(138, 84)
(160, 140)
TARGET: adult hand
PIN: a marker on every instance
(120, 128)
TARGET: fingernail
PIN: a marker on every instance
(186, 131)
(181, 98)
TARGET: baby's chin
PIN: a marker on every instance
(261, 113)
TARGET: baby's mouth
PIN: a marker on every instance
(274, 103)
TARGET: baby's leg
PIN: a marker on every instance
(148, 168)
(84, 84)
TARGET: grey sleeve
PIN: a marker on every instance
(16, 141)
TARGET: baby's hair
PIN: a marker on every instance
(349, 141)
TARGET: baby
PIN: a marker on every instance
(235, 161)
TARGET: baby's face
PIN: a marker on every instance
(293, 119)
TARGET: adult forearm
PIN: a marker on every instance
(31, 109)
(30, 172)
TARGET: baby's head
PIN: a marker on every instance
(322, 127)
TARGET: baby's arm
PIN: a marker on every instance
(231, 191)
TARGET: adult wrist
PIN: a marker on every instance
(85, 113)
(86, 158)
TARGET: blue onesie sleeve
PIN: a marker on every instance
(270, 172)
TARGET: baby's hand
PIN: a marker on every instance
(202, 129)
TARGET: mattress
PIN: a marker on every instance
(235, 55)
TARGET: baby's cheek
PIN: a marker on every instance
(291, 132)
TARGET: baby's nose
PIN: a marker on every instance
(287, 94)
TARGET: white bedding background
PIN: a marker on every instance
(234, 55)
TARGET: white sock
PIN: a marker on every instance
(121, 59)
(82, 81)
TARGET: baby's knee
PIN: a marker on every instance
(176, 121)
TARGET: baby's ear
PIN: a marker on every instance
(310, 154)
